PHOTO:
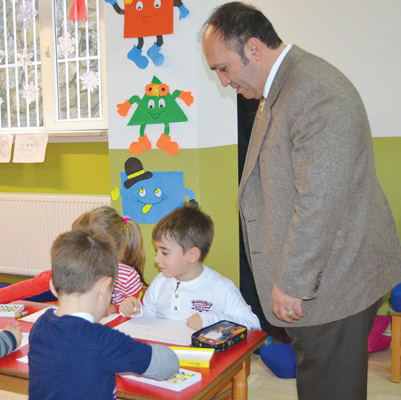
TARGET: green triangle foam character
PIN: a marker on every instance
(157, 106)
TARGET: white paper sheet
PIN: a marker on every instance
(158, 330)
(24, 341)
(109, 318)
(30, 148)
(6, 142)
(34, 317)
(23, 359)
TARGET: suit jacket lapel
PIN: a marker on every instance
(261, 125)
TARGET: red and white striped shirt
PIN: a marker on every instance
(128, 283)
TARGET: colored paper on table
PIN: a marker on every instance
(179, 381)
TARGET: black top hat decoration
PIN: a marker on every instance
(135, 172)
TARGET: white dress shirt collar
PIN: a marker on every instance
(273, 71)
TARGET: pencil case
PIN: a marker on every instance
(219, 336)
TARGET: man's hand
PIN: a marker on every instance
(285, 307)
(130, 306)
(195, 322)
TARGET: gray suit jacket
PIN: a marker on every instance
(314, 216)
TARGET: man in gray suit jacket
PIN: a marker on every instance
(318, 230)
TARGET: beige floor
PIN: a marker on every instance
(263, 384)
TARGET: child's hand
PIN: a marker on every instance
(195, 322)
(110, 310)
(130, 306)
(16, 332)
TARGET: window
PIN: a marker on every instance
(52, 76)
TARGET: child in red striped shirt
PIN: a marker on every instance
(128, 238)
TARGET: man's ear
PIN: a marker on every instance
(253, 49)
(53, 290)
(194, 254)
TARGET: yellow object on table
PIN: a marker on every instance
(193, 356)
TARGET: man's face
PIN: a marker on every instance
(229, 66)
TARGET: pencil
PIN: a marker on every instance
(22, 314)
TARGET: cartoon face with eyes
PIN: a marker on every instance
(148, 18)
(157, 106)
(144, 18)
(149, 196)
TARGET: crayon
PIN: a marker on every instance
(22, 314)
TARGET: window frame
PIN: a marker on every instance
(48, 47)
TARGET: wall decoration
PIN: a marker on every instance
(143, 18)
(90, 80)
(66, 45)
(26, 14)
(157, 106)
(30, 148)
(149, 196)
(24, 59)
(6, 142)
(30, 93)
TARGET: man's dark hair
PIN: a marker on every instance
(237, 22)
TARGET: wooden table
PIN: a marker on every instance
(225, 379)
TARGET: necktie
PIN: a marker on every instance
(260, 109)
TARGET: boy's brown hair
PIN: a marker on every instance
(188, 226)
(80, 258)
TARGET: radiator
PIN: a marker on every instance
(29, 223)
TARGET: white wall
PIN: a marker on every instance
(360, 37)
(212, 120)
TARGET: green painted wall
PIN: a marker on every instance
(75, 168)
(388, 169)
(83, 168)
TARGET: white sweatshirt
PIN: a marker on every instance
(211, 295)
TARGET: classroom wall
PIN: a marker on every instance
(69, 168)
(84, 169)
(339, 32)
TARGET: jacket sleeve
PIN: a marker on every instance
(26, 288)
